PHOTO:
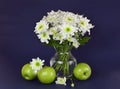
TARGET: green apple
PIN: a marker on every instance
(27, 72)
(46, 75)
(82, 71)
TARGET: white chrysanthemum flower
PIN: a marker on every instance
(54, 18)
(70, 39)
(37, 64)
(56, 34)
(61, 81)
(41, 26)
(60, 37)
(87, 29)
(84, 25)
(53, 30)
(75, 42)
(84, 22)
(68, 30)
(44, 37)
(69, 18)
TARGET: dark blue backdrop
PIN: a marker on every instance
(19, 44)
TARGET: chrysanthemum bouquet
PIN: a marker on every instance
(63, 30)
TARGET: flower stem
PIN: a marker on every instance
(62, 64)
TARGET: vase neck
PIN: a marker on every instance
(62, 53)
(61, 50)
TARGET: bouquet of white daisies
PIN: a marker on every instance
(63, 28)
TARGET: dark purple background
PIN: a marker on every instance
(19, 44)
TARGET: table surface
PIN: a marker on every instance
(19, 44)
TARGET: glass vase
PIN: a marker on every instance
(63, 62)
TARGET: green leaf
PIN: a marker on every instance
(54, 43)
(84, 40)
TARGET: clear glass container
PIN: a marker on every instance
(63, 63)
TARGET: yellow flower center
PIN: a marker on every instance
(82, 23)
(40, 27)
(44, 35)
(69, 19)
(61, 80)
(68, 29)
(37, 64)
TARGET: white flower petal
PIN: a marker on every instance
(44, 37)
(40, 27)
(61, 81)
(36, 64)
